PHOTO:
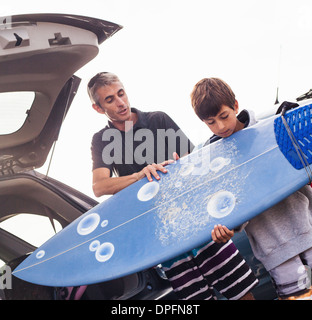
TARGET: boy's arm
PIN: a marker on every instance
(221, 234)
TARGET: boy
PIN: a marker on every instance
(195, 274)
(281, 237)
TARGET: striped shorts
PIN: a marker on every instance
(195, 275)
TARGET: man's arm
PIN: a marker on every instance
(104, 184)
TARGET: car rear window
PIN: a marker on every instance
(32, 228)
(13, 110)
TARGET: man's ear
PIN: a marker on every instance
(97, 108)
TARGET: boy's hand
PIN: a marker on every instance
(221, 234)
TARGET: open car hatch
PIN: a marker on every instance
(39, 54)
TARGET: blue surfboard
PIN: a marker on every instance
(147, 223)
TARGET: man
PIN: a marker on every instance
(134, 144)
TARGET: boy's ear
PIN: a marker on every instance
(236, 106)
(97, 108)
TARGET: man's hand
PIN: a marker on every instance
(221, 234)
(151, 170)
(176, 156)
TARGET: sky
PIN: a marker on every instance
(166, 46)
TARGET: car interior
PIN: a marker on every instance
(47, 197)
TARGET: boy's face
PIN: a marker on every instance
(225, 123)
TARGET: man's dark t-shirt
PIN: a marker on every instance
(153, 139)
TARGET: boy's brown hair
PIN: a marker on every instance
(208, 96)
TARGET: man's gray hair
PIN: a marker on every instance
(101, 79)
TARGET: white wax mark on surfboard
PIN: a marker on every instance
(218, 163)
(40, 254)
(94, 245)
(103, 252)
(178, 184)
(176, 221)
(181, 215)
(186, 169)
(221, 204)
(88, 224)
(104, 223)
(148, 191)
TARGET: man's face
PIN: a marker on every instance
(113, 101)
(224, 124)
